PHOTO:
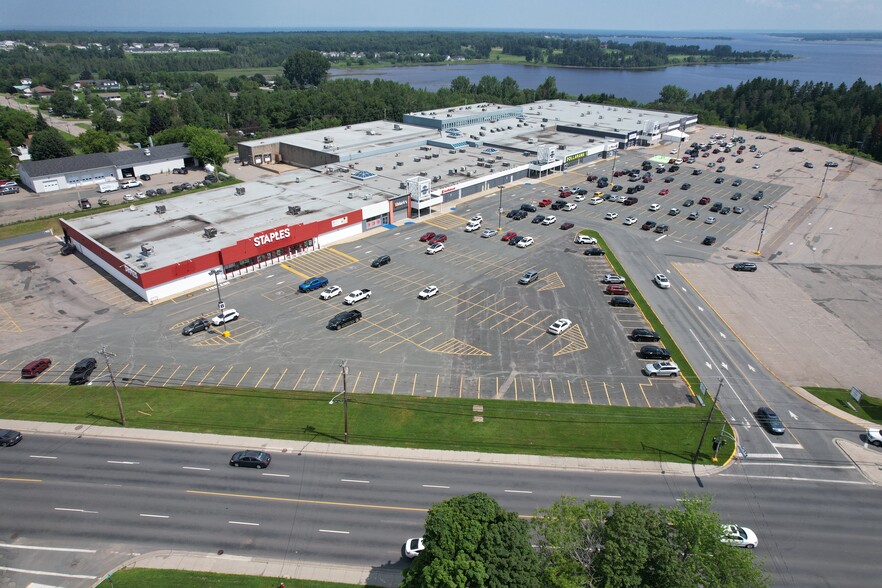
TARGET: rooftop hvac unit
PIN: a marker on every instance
(328, 139)
(209, 232)
(402, 185)
(160, 209)
(396, 127)
(434, 155)
(365, 197)
(142, 265)
(294, 210)
(297, 179)
(147, 152)
(146, 249)
(240, 191)
(417, 159)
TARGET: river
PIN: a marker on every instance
(819, 61)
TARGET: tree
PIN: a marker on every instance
(40, 123)
(62, 102)
(306, 68)
(106, 121)
(49, 144)
(208, 146)
(632, 545)
(472, 541)
(95, 141)
(673, 96)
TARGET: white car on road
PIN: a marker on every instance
(427, 292)
(710, 220)
(525, 242)
(661, 281)
(874, 437)
(739, 536)
(559, 326)
(331, 292)
(414, 547)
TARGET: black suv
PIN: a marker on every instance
(200, 324)
(528, 208)
(645, 335)
(744, 266)
(82, 370)
(344, 319)
(716, 207)
(654, 352)
(381, 261)
(621, 301)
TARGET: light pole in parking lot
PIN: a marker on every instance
(220, 303)
(768, 207)
(823, 181)
(499, 227)
(345, 371)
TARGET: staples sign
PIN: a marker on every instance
(271, 236)
(339, 221)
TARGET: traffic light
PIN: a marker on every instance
(717, 443)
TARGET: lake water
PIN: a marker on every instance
(820, 61)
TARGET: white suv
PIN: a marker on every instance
(473, 226)
(227, 316)
(662, 368)
(584, 240)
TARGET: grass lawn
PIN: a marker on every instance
(869, 408)
(577, 430)
(497, 56)
(225, 74)
(146, 578)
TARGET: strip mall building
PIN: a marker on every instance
(326, 186)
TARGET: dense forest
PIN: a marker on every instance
(54, 59)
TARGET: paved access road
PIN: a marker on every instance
(119, 497)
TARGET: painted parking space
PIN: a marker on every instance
(319, 263)
(447, 222)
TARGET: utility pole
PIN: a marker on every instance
(345, 371)
(499, 228)
(107, 355)
(707, 422)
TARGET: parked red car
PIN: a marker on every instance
(545, 202)
(427, 237)
(617, 290)
(663, 192)
(438, 239)
(565, 193)
(704, 200)
(509, 236)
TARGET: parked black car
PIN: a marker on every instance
(381, 261)
(200, 324)
(595, 251)
(161, 191)
(654, 352)
(645, 335)
(145, 177)
(82, 370)
(766, 417)
(344, 319)
(709, 240)
(621, 301)
(528, 207)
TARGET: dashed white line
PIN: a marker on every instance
(197, 469)
(603, 496)
(43, 457)
(333, 531)
(244, 523)
(124, 462)
(153, 516)
(40, 548)
(77, 510)
(53, 574)
(434, 486)
(356, 481)
(519, 491)
(277, 475)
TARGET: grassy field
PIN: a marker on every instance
(145, 578)
(869, 408)
(225, 74)
(665, 434)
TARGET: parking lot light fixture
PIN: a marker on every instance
(220, 303)
(768, 207)
(501, 188)
(345, 370)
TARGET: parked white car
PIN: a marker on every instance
(227, 316)
(653, 207)
(549, 220)
(427, 292)
(596, 200)
(559, 326)
(331, 292)
(570, 206)
(611, 215)
(662, 368)
(525, 242)
(128, 198)
(130, 183)
(435, 248)
(630, 220)
(584, 240)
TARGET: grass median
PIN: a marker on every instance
(869, 408)
(148, 578)
(537, 428)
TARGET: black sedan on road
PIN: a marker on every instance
(744, 266)
(9, 438)
(250, 459)
(766, 417)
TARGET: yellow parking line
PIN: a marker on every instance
(644, 395)
(171, 376)
(147, 383)
(394, 381)
(460, 386)
(355, 385)
(298, 379)
(605, 389)
(375, 382)
(533, 382)
(257, 385)
(318, 380)
(413, 388)
(516, 388)
(206, 375)
(338, 252)
(626, 394)
(551, 387)
(497, 387)
(437, 382)
(588, 391)
(280, 379)
(570, 387)
(337, 381)
(243, 376)
(221, 381)
(135, 376)
(293, 271)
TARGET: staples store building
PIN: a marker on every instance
(163, 248)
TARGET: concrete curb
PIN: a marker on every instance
(258, 566)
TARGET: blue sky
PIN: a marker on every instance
(594, 15)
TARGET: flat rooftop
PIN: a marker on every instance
(598, 117)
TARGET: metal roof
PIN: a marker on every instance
(127, 158)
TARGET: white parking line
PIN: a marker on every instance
(433, 486)
(519, 491)
(153, 516)
(77, 510)
(244, 523)
(332, 531)
(356, 481)
(43, 457)
(53, 574)
(197, 469)
(39, 548)
(794, 479)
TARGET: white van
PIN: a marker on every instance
(108, 187)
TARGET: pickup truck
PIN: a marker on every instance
(313, 284)
(357, 296)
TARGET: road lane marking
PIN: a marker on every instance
(307, 501)
(434, 486)
(603, 496)
(43, 457)
(53, 574)
(800, 465)
(787, 446)
(153, 516)
(244, 523)
(795, 479)
(277, 475)
(356, 481)
(77, 510)
(519, 491)
(765, 456)
(197, 469)
(124, 462)
(332, 531)
(40, 548)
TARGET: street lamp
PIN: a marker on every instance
(768, 207)
(220, 303)
(859, 145)
(612, 176)
(345, 370)
(499, 227)
(823, 181)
